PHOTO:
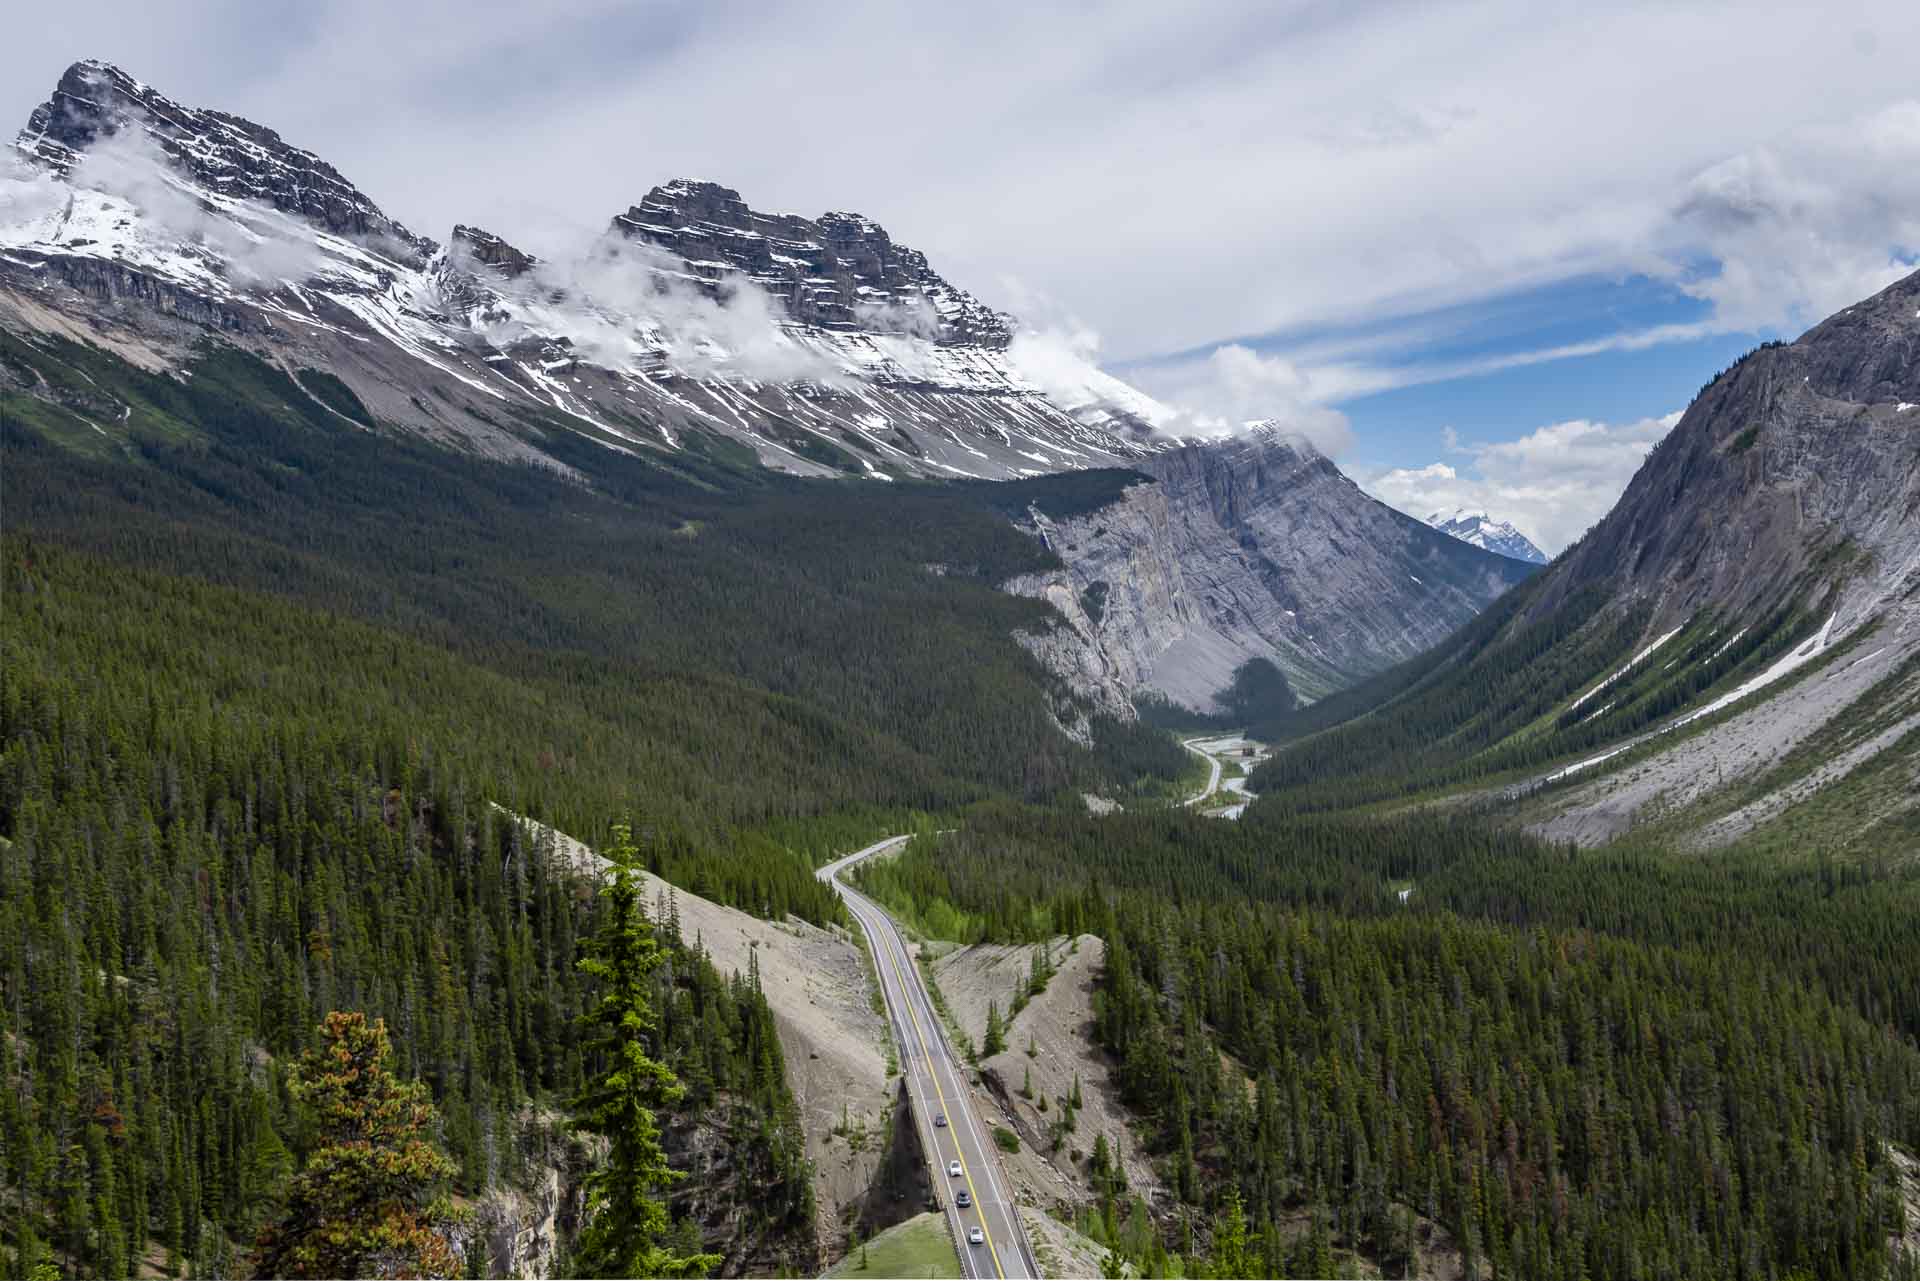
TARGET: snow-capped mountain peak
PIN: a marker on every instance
(821, 344)
(1483, 531)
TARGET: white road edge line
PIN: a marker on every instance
(867, 913)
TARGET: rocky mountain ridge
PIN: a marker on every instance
(1253, 547)
(225, 154)
(1788, 490)
(840, 271)
(1729, 653)
(821, 346)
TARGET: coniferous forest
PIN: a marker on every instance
(278, 693)
(273, 698)
(1700, 1088)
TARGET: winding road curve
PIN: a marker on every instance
(1213, 763)
(937, 1083)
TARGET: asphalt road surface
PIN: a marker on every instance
(937, 1084)
(1213, 765)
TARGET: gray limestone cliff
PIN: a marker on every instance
(1253, 547)
(1795, 471)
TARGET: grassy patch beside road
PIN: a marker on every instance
(920, 1247)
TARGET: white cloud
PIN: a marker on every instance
(253, 243)
(1181, 173)
(1807, 223)
(1552, 483)
(1233, 385)
(620, 302)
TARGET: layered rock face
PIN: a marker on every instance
(841, 271)
(1254, 547)
(1795, 471)
(484, 249)
(225, 154)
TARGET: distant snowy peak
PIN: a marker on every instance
(1485, 532)
(839, 271)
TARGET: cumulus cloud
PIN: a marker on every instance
(623, 303)
(1807, 223)
(1552, 483)
(1233, 386)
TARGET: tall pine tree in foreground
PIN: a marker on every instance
(626, 1224)
(371, 1200)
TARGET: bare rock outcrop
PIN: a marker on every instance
(1253, 547)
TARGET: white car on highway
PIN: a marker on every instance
(953, 1169)
(974, 1237)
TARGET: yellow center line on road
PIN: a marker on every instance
(926, 1054)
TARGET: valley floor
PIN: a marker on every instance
(1231, 760)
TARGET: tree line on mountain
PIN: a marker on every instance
(1570, 1066)
(862, 647)
(1489, 704)
(758, 663)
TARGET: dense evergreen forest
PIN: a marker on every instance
(1575, 1065)
(182, 897)
(728, 649)
(274, 688)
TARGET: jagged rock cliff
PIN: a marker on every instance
(840, 271)
(226, 155)
(1253, 547)
(1801, 454)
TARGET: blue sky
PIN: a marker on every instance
(1391, 426)
(1537, 225)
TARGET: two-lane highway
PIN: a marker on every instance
(937, 1084)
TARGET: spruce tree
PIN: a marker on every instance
(371, 1199)
(626, 1222)
(1231, 1257)
(995, 1040)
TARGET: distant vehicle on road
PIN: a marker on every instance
(964, 1200)
(953, 1169)
(939, 1118)
(974, 1237)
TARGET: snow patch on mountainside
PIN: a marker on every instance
(1631, 663)
(1810, 649)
